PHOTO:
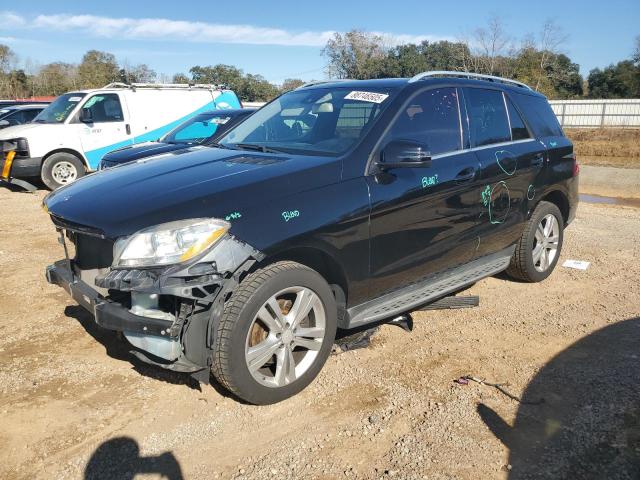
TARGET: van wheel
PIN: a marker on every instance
(539, 248)
(61, 169)
(275, 334)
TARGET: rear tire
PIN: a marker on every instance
(61, 169)
(538, 250)
(275, 334)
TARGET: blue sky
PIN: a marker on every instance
(281, 39)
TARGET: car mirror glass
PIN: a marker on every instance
(404, 154)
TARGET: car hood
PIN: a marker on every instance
(190, 183)
(27, 129)
(134, 152)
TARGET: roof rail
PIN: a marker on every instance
(177, 86)
(320, 82)
(478, 76)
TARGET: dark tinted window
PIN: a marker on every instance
(30, 115)
(433, 118)
(487, 117)
(539, 115)
(518, 129)
(15, 118)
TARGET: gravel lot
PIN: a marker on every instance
(75, 404)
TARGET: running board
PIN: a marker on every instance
(427, 290)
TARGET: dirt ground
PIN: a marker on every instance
(608, 147)
(75, 404)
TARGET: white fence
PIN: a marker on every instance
(623, 113)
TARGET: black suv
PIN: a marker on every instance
(336, 205)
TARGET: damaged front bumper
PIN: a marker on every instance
(134, 301)
(108, 314)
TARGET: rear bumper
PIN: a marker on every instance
(573, 195)
(107, 314)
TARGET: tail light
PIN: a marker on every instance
(576, 166)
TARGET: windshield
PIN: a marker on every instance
(60, 109)
(324, 121)
(198, 129)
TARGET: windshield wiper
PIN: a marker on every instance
(217, 145)
(258, 148)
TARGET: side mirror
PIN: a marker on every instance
(86, 116)
(404, 154)
(4, 123)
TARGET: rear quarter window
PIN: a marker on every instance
(538, 115)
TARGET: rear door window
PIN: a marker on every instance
(431, 117)
(488, 120)
(518, 129)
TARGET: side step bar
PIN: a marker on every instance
(427, 290)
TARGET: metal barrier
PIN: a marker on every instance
(619, 113)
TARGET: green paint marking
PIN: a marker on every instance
(486, 195)
(429, 181)
(531, 192)
(233, 216)
(288, 215)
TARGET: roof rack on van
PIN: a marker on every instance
(320, 82)
(204, 86)
(478, 76)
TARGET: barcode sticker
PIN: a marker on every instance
(367, 96)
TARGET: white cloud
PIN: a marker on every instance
(10, 19)
(166, 29)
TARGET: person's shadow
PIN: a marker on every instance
(588, 426)
(119, 459)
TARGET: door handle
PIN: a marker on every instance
(466, 175)
(538, 160)
(127, 127)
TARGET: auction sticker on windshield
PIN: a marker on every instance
(367, 96)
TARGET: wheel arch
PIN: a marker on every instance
(70, 151)
(560, 200)
(322, 262)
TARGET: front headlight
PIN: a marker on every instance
(168, 243)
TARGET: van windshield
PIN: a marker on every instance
(319, 121)
(198, 129)
(60, 108)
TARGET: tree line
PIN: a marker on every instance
(535, 59)
(97, 69)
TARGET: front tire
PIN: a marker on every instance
(538, 250)
(275, 334)
(61, 169)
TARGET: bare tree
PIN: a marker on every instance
(550, 39)
(492, 42)
(636, 52)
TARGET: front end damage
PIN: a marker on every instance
(168, 314)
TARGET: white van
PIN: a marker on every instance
(69, 137)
